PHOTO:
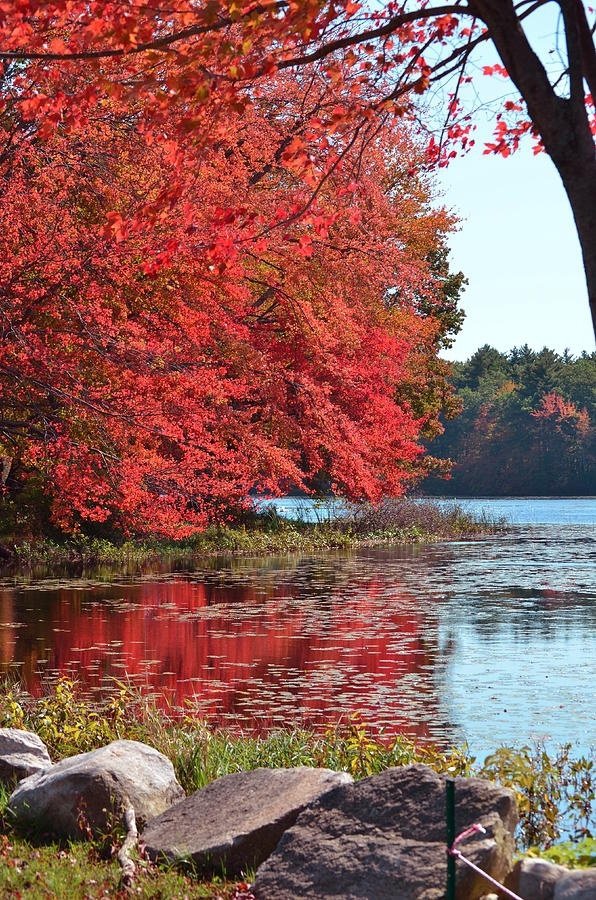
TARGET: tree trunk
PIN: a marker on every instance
(579, 182)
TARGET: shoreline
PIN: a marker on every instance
(393, 523)
(70, 721)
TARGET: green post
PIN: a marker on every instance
(450, 819)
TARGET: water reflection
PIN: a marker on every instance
(487, 641)
(307, 640)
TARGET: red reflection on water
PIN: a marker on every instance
(262, 653)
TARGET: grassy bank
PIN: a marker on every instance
(549, 788)
(403, 521)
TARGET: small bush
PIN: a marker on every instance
(573, 855)
(555, 792)
(410, 519)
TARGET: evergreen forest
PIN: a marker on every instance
(526, 426)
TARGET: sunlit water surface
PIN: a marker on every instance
(489, 641)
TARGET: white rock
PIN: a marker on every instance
(88, 791)
(22, 753)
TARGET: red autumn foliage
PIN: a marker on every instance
(187, 67)
(562, 416)
(182, 327)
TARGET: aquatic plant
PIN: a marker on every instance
(419, 519)
(392, 521)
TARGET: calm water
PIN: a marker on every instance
(517, 510)
(490, 641)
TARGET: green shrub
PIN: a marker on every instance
(551, 789)
(574, 855)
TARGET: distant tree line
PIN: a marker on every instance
(527, 425)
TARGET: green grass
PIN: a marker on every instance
(260, 539)
(548, 786)
(70, 723)
(73, 871)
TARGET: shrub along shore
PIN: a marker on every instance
(392, 522)
(555, 792)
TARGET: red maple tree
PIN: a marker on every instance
(187, 319)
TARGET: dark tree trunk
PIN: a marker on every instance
(580, 186)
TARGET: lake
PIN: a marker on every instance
(516, 510)
(488, 641)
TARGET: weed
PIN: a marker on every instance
(393, 521)
(418, 520)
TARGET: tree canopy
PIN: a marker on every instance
(174, 337)
(222, 270)
(195, 62)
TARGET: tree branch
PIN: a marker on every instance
(588, 53)
(574, 53)
(160, 43)
(360, 37)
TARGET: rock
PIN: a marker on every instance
(579, 884)
(86, 792)
(234, 823)
(536, 879)
(22, 753)
(385, 838)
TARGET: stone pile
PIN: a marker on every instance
(385, 838)
(538, 879)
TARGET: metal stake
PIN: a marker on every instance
(450, 819)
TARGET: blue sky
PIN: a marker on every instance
(518, 247)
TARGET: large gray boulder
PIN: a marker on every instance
(536, 879)
(22, 753)
(385, 838)
(233, 824)
(88, 792)
(580, 884)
